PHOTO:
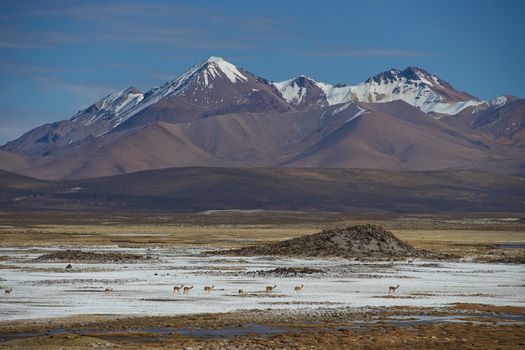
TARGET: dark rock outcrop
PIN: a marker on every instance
(78, 255)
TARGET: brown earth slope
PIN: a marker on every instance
(397, 138)
(12, 161)
(502, 124)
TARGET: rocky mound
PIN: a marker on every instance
(78, 255)
(350, 242)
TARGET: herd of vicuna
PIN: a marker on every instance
(208, 290)
(241, 292)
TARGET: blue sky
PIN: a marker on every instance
(57, 57)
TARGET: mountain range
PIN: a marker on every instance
(219, 115)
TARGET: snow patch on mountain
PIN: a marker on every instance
(496, 102)
(449, 108)
(110, 107)
(130, 101)
(357, 115)
(337, 94)
(342, 108)
(499, 101)
(291, 91)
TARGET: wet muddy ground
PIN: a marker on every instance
(462, 326)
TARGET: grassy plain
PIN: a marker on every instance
(449, 233)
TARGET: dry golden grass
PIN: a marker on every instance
(459, 242)
(233, 229)
(456, 243)
(148, 234)
(450, 236)
(230, 236)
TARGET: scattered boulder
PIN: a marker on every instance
(79, 255)
(350, 242)
(69, 267)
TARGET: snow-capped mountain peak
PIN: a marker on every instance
(302, 91)
(204, 73)
(416, 73)
(412, 85)
(201, 76)
(293, 90)
(215, 66)
(411, 74)
(416, 87)
(210, 84)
